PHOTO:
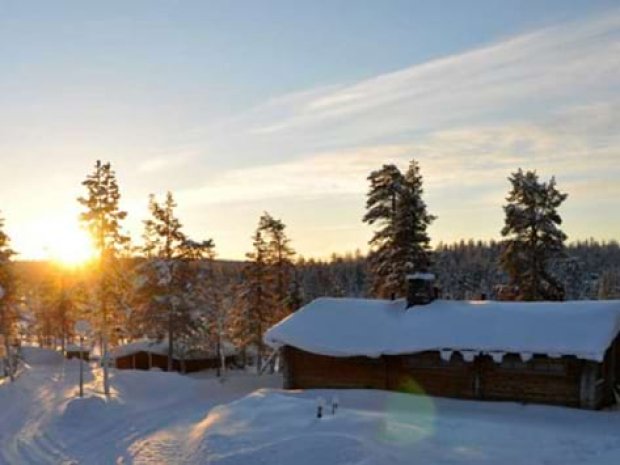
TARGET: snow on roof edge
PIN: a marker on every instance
(386, 328)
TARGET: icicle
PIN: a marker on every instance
(446, 355)
(526, 356)
(469, 355)
(497, 356)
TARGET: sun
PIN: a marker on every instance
(70, 246)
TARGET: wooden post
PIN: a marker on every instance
(287, 372)
(81, 366)
(588, 397)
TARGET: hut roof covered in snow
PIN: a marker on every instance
(161, 348)
(142, 345)
(368, 327)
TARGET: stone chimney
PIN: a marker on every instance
(420, 289)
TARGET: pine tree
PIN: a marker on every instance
(400, 244)
(534, 239)
(170, 274)
(206, 297)
(8, 296)
(279, 257)
(103, 218)
(254, 312)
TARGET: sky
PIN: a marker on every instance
(286, 107)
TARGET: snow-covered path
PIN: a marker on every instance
(146, 420)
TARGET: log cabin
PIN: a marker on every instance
(76, 351)
(559, 353)
(148, 354)
(141, 355)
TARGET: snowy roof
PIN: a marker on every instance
(161, 348)
(365, 327)
(143, 345)
(76, 348)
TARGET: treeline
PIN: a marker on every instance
(173, 287)
(465, 270)
(470, 269)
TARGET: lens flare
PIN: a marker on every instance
(410, 415)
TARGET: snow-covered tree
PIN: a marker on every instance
(170, 278)
(534, 238)
(279, 257)
(103, 218)
(206, 296)
(8, 296)
(400, 243)
(254, 310)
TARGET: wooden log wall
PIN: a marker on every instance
(560, 381)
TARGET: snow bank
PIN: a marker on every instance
(263, 428)
(139, 385)
(81, 410)
(366, 327)
(39, 356)
(379, 428)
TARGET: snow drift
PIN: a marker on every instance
(39, 356)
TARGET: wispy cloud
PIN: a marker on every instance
(518, 79)
(159, 163)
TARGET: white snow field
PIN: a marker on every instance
(166, 418)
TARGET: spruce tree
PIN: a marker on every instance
(164, 240)
(400, 243)
(534, 238)
(103, 218)
(205, 289)
(254, 312)
(279, 257)
(170, 275)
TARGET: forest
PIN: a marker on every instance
(174, 288)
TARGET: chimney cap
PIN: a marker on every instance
(421, 276)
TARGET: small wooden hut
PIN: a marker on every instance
(146, 354)
(562, 353)
(75, 351)
(141, 355)
(200, 360)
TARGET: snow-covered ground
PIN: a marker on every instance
(162, 418)
(146, 419)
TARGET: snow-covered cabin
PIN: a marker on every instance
(143, 354)
(146, 354)
(77, 351)
(564, 353)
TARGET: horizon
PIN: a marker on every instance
(220, 104)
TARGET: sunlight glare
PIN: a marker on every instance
(69, 245)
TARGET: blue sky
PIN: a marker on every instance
(240, 107)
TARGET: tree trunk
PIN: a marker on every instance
(170, 339)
